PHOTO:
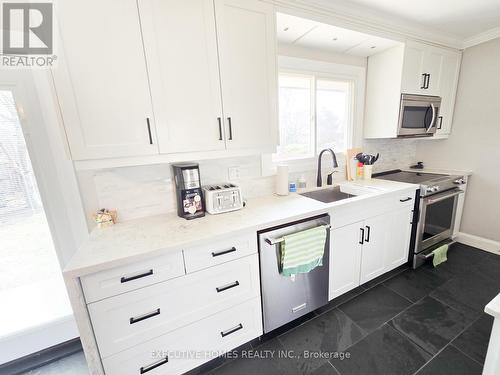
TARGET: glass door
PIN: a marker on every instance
(438, 217)
(32, 292)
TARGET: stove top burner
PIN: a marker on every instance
(410, 177)
(430, 183)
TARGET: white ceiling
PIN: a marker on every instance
(312, 34)
(463, 18)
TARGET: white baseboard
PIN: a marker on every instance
(479, 242)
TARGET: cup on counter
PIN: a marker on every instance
(367, 171)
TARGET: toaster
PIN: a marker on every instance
(222, 198)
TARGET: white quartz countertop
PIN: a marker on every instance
(140, 239)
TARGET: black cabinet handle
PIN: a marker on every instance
(224, 252)
(362, 241)
(368, 230)
(148, 122)
(428, 81)
(138, 319)
(440, 122)
(219, 120)
(230, 128)
(406, 199)
(228, 286)
(231, 330)
(154, 365)
(424, 81)
(127, 279)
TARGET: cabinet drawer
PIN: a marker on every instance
(123, 321)
(119, 280)
(192, 345)
(214, 253)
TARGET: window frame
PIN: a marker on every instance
(355, 75)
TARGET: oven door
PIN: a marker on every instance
(418, 116)
(437, 218)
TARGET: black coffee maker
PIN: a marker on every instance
(190, 202)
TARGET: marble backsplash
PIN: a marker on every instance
(142, 191)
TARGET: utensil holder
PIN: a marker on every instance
(367, 172)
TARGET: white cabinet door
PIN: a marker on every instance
(433, 66)
(448, 91)
(377, 232)
(246, 35)
(181, 50)
(397, 246)
(413, 76)
(102, 82)
(345, 259)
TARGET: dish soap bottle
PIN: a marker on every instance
(359, 171)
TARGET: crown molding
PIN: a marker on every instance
(482, 37)
(343, 14)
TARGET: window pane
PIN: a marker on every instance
(332, 114)
(295, 118)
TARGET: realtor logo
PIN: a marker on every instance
(27, 29)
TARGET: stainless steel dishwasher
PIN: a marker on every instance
(287, 298)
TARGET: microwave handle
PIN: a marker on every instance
(433, 118)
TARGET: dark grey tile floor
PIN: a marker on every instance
(428, 321)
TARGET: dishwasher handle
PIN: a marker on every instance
(275, 241)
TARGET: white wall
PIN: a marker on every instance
(475, 140)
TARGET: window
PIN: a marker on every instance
(315, 113)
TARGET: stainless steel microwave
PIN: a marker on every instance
(418, 115)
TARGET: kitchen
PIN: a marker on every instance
(260, 186)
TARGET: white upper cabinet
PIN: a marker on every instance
(448, 92)
(424, 66)
(101, 80)
(181, 48)
(246, 34)
(181, 78)
(413, 68)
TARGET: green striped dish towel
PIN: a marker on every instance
(303, 251)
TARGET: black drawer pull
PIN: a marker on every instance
(127, 279)
(154, 365)
(406, 199)
(231, 330)
(368, 230)
(219, 120)
(362, 240)
(223, 252)
(228, 286)
(149, 130)
(144, 317)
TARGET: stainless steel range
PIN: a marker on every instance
(435, 209)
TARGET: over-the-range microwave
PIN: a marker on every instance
(418, 115)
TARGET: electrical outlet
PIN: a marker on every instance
(234, 173)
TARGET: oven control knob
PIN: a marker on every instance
(429, 189)
(459, 181)
(435, 189)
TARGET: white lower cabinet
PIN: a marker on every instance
(125, 320)
(192, 345)
(398, 243)
(345, 259)
(377, 234)
(369, 247)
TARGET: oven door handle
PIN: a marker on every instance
(433, 118)
(431, 200)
